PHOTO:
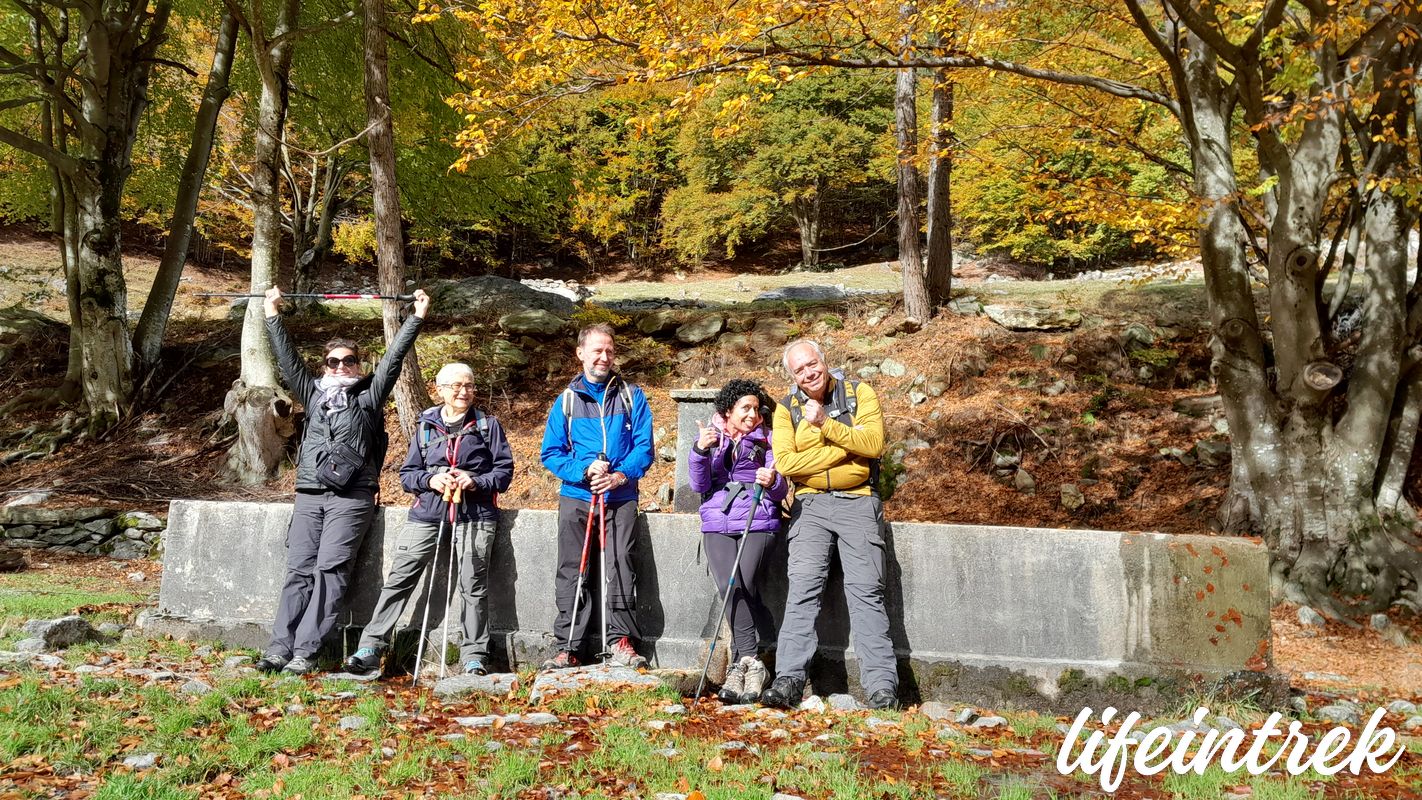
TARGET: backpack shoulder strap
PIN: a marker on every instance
(792, 402)
(481, 423)
(567, 401)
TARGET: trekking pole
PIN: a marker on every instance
(602, 549)
(315, 295)
(730, 587)
(429, 587)
(449, 576)
(582, 572)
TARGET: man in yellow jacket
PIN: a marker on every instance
(827, 439)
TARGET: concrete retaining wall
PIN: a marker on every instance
(986, 612)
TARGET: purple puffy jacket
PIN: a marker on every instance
(708, 473)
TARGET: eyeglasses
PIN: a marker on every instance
(332, 362)
(458, 387)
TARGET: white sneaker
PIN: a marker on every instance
(755, 678)
(735, 684)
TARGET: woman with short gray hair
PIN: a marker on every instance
(456, 445)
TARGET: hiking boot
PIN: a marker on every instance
(735, 684)
(363, 661)
(785, 692)
(300, 665)
(756, 676)
(271, 662)
(624, 654)
(884, 699)
(475, 666)
(563, 660)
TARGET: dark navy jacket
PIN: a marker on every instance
(601, 422)
(486, 457)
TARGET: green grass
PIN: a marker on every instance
(132, 787)
(963, 777)
(26, 596)
(1266, 788)
(1208, 786)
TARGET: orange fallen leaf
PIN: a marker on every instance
(715, 765)
(695, 794)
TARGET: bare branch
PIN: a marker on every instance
(297, 33)
(65, 163)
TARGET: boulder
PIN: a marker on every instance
(57, 634)
(497, 684)
(29, 515)
(1202, 406)
(25, 323)
(503, 353)
(138, 520)
(700, 329)
(804, 293)
(533, 321)
(660, 321)
(491, 297)
(1072, 498)
(892, 368)
(770, 335)
(1211, 453)
(1027, 318)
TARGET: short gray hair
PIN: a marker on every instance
(449, 372)
(811, 343)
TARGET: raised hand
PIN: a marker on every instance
(706, 436)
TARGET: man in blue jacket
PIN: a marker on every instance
(598, 441)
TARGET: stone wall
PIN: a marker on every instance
(97, 531)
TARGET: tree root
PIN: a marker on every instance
(65, 394)
(43, 440)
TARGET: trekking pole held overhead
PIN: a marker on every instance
(406, 298)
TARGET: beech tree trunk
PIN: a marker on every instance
(410, 395)
(916, 301)
(148, 337)
(939, 210)
(256, 401)
(1320, 447)
(806, 211)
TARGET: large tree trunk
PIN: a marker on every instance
(916, 302)
(940, 210)
(119, 57)
(256, 401)
(806, 211)
(103, 301)
(1319, 450)
(410, 395)
(148, 337)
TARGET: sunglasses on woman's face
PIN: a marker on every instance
(332, 362)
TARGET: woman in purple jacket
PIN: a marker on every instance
(730, 459)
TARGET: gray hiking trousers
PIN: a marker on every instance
(321, 545)
(819, 522)
(414, 551)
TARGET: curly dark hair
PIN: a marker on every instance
(737, 388)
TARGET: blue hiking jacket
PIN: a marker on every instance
(601, 422)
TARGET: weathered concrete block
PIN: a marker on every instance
(981, 613)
